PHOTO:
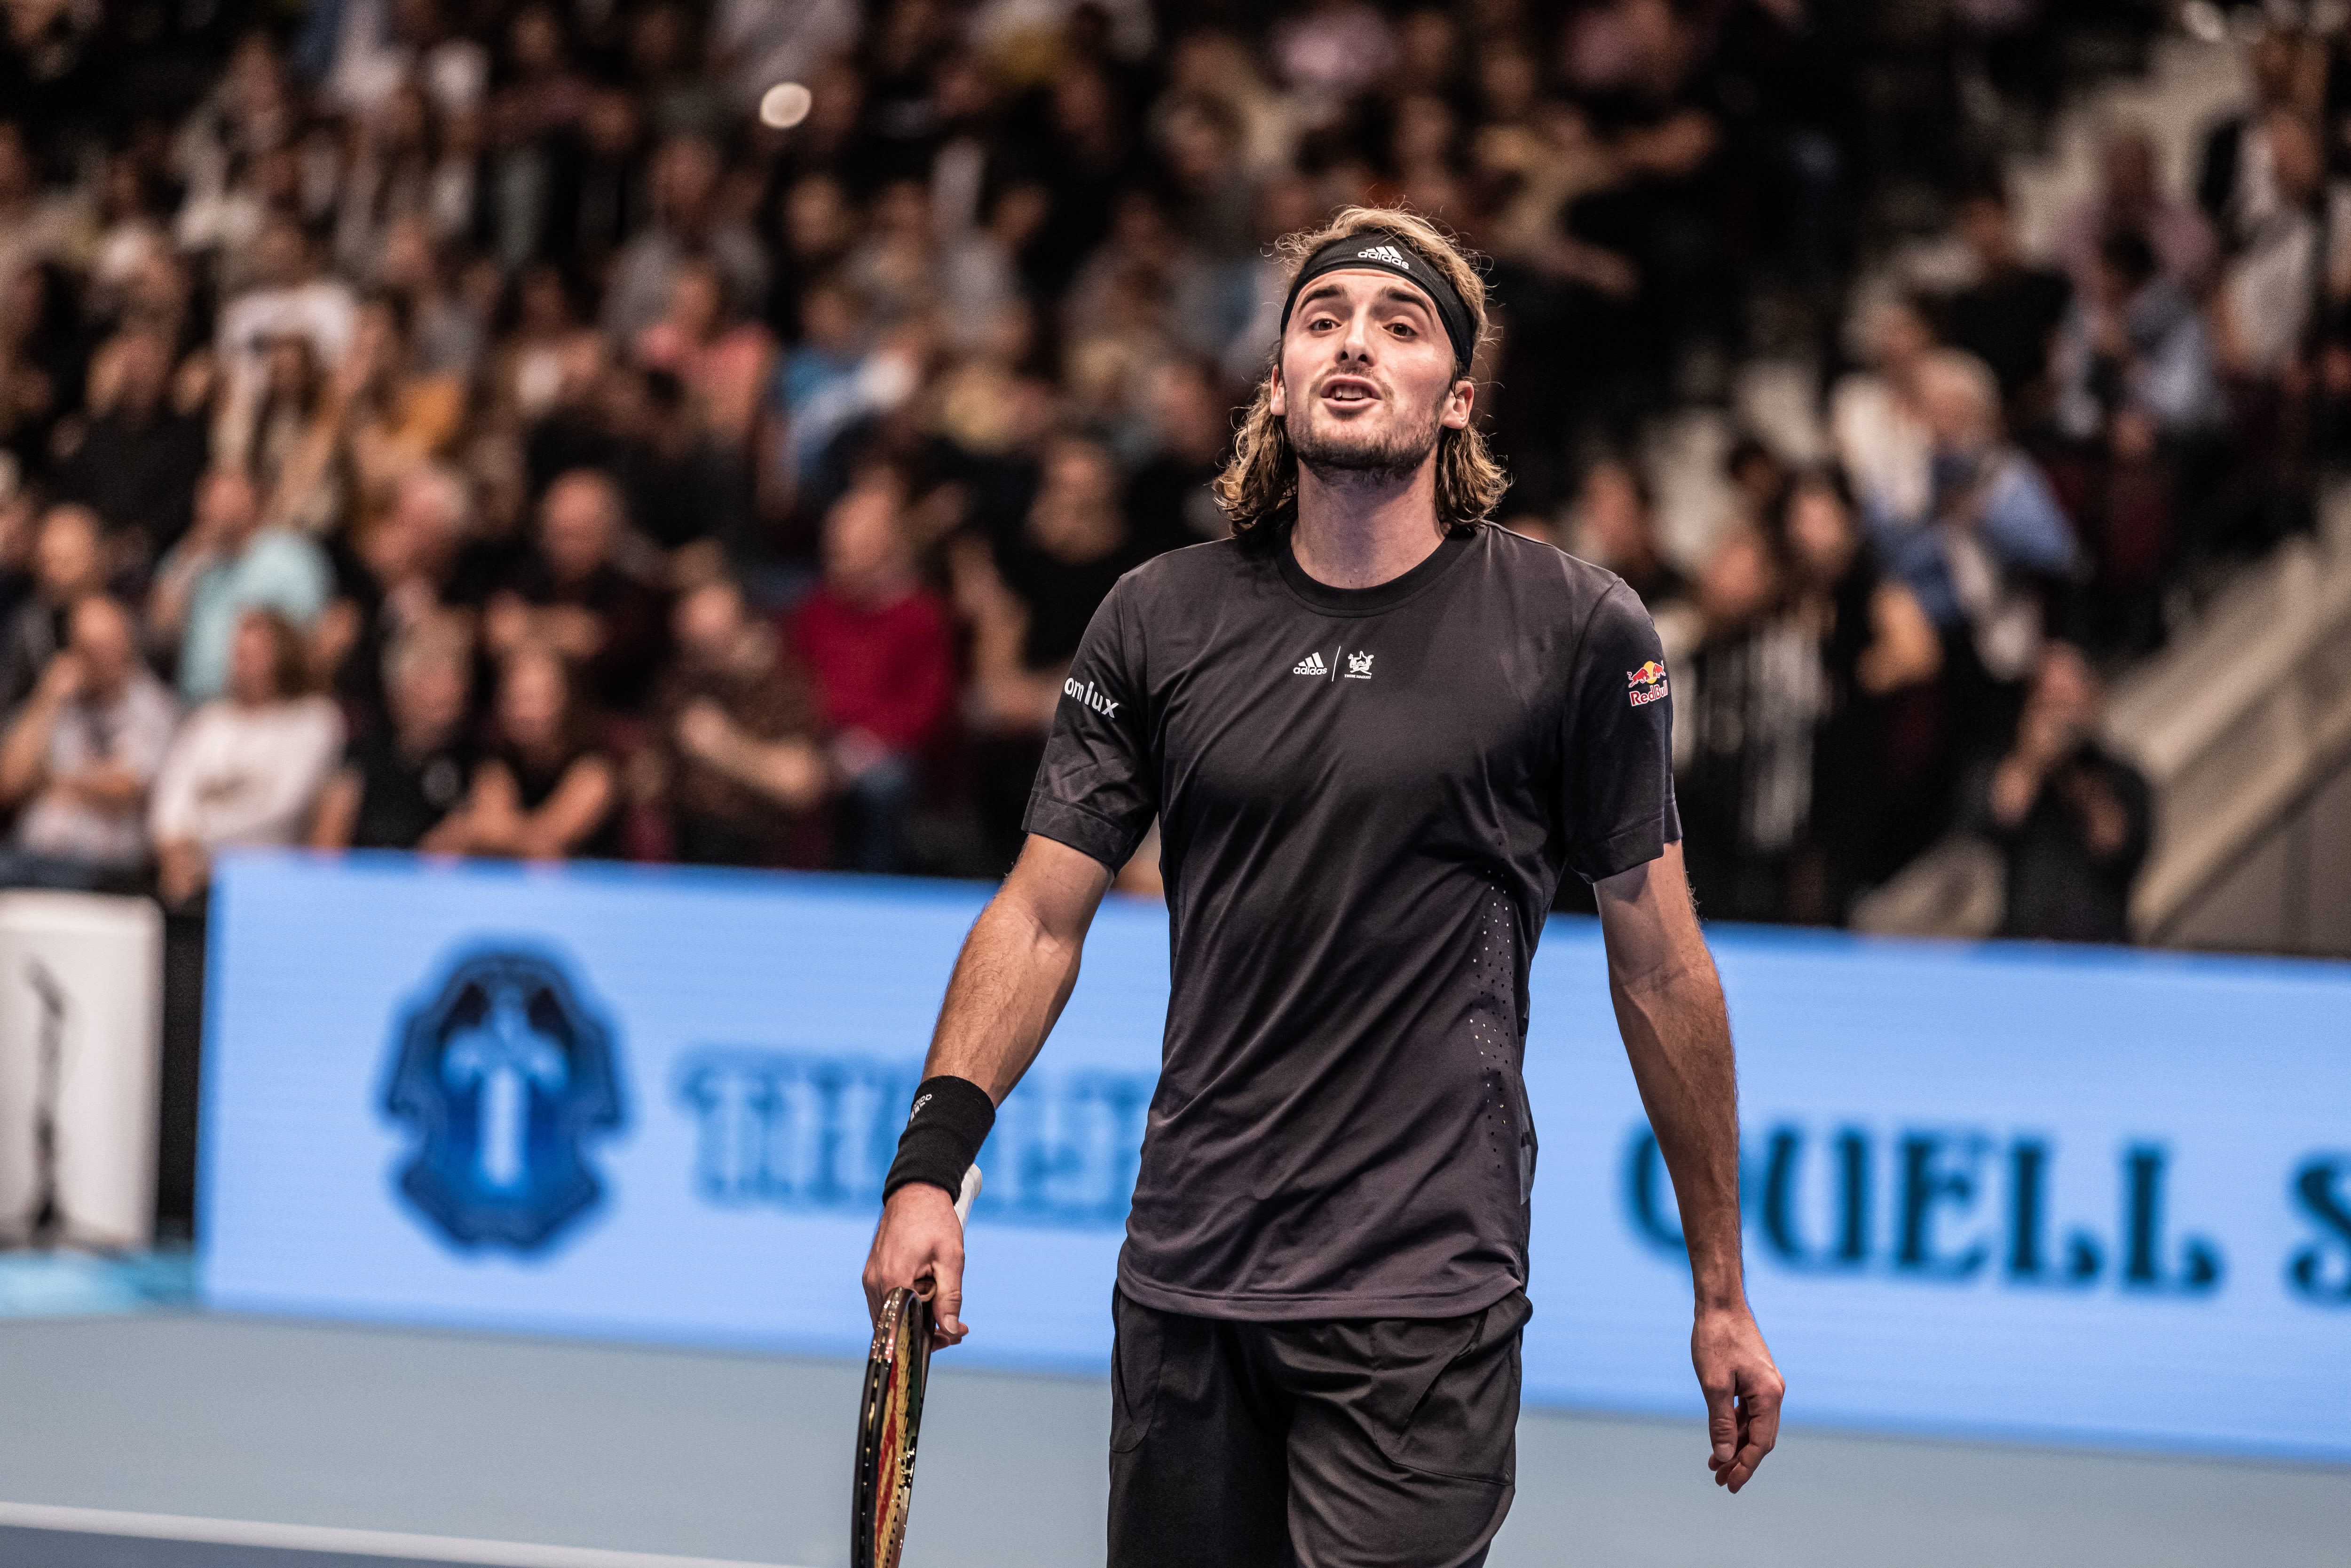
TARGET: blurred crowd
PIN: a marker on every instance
(700, 430)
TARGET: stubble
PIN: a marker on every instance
(1341, 454)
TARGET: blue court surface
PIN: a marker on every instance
(169, 1438)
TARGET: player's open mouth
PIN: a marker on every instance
(1350, 390)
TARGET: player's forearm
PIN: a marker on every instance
(1677, 1037)
(1009, 986)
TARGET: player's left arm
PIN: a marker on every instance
(1677, 1033)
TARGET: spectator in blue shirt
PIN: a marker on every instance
(229, 563)
(830, 381)
(1990, 522)
(1983, 556)
(2134, 362)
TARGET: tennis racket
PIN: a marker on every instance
(896, 1369)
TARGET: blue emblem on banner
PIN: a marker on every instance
(505, 1075)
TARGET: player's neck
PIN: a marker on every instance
(1358, 530)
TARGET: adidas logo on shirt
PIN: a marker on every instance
(1387, 253)
(1312, 664)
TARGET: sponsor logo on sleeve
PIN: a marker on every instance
(1647, 683)
(1086, 692)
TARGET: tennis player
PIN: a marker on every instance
(1376, 731)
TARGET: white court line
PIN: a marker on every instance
(327, 1538)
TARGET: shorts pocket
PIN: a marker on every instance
(1464, 1423)
(1137, 1354)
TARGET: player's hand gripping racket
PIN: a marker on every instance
(892, 1415)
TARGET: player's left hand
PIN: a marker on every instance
(1743, 1389)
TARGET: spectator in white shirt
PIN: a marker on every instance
(1877, 417)
(290, 296)
(80, 753)
(248, 769)
(2291, 263)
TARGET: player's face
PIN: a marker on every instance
(1366, 378)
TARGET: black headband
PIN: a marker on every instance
(1384, 252)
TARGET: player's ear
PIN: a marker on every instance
(1279, 406)
(1458, 404)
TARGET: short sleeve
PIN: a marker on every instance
(1097, 788)
(1617, 743)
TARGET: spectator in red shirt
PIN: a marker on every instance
(878, 644)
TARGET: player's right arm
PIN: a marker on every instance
(1677, 1031)
(1010, 982)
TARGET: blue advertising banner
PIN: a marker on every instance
(2087, 1195)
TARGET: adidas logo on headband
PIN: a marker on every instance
(1391, 253)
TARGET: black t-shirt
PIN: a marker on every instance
(536, 784)
(403, 798)
(140, 475)
(359, 681)
(2062, 888)
(1366, 799)
(635, 617)
(675, 499)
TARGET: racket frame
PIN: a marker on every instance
(883, 1493)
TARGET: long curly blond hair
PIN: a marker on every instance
(1260, 485)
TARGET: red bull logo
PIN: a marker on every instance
(1651, 675)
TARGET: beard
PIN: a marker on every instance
(1331, 452)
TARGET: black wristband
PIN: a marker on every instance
(944, 1131)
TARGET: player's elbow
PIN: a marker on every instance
(1053, 891)
(1664, 981)
(1034, 932)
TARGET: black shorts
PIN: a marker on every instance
(1362, 1443)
